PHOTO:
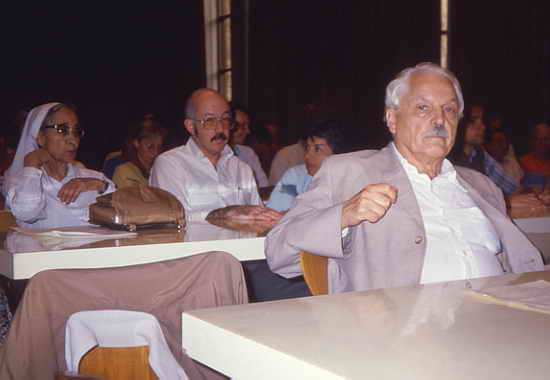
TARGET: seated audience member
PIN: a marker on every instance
(498, 146)
(113, 160)
(275, 133)
(204, 174)
(323, 139)
(537, 161)
(44, 189)
(145, 143)
(404, 215)
(246, 153)
(260, 141)
(285, 158)
(35, 346)
(469, 152)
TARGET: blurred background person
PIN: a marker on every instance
(246, 153)
(468, 151)
(497, 144)
(144, 143)
(324, 138)
(536, 163)
(43, 188)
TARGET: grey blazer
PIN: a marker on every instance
(390, 252)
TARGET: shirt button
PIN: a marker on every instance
(418, 240)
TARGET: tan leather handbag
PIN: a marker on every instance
(135, 207)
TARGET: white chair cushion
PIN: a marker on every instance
(119, 328)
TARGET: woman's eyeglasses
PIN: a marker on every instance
(64, 130)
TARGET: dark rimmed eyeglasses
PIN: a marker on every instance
(211, 122)
(65, 129)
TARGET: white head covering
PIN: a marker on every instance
(27, 143)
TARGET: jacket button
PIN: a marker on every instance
(418, 240)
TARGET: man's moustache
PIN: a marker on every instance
(438, 131)
(219, 136)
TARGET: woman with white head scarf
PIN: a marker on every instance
(43, 187)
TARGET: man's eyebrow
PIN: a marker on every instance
(425, 99)
(213, 114)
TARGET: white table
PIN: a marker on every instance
(424, 332)
(23, 256)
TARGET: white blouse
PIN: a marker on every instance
(33, 199)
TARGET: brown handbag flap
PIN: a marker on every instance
(137, 205)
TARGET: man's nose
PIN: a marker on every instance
(439, 115)
(219, 125)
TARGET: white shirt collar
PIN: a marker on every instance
(227, 152)
(447, 169)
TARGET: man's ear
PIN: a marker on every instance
(391, 120)
(189, 126)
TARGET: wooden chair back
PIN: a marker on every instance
(7, 220)
(314, 268)
(120, 363)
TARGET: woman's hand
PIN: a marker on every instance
(70, 191)
(37, 158)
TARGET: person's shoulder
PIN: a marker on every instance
(289, 149)
(85, 172)
(298, 171)
(357, 158)
(177, 153)
(129, 165)
(474, 178)
(246, 149)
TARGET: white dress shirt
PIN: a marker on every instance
(461, 242)
(200, 187)
(33, 199)
(248, 155)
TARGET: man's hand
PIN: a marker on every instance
(247, 212)
(37, 158)
(70, 191)
(370, 204)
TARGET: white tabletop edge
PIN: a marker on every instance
(239, 362)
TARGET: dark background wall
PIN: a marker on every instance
(113, 60)
(342, 55)
(117, 61)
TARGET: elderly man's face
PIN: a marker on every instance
(424, 126)
(210, 139)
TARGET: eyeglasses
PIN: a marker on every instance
(64, 129)
(211, 122)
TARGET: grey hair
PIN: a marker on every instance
(400, 84)
(48, 120)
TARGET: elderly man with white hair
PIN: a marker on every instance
(404, 215)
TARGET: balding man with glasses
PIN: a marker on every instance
(204, 174)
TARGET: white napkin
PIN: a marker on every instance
(119, 328)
